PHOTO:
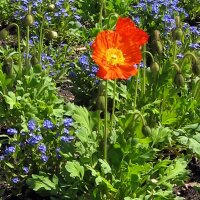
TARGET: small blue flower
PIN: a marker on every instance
(11, 131)
(66, 131)
(68, 122)
(83, 60)
(15, 180)
(42, 148)
(2, 157)
(44, 158)
(31, 125)
(34, 139)
(9, 150)
(26, 170)
(48, 124)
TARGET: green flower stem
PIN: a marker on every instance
(185, 56)
(19, 48)
(137, 112)
(136, 88)
(106, 122)
(40, 40)
(178, 69)
(144, 72)
(147, 52)
(113, 108)
(102, 8)
(174, 51)
(27, 47)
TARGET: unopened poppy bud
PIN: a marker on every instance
(157, 45)
(51, 8)
(29, 20)
(101, 103)
(179, 79)
(4, 34)
(146, 130)
(196, 66)
(34, 60)
(7, 66)
(154, 68)
(177, 34)
(52, 35)
(177, 20)
(157, 35)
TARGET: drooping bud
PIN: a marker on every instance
(52, 35)
(154, 68)
(51, 8)
(146, 130)
(7, 66)
(179, 79)
(196, 66)
(4, 34)
(29, 20)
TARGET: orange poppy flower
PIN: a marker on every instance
(126, 27)
(114, 57)
(115, 54)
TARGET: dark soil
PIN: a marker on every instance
(191, 189)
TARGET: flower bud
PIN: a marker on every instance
(157, 45)
(34, 60)
(177, 20)
(154, 68)
(29, 20)
(7, 66)
(51, 8)
(179, 79)
(146, 130)
(157, 35)
(196, 67)
(101, 103)
(52, 35)
(4, 34)
(177, 34)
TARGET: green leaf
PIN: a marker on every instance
(58, 112)
(75, 169)
(81, 116)
(105, 166)
(10, 99)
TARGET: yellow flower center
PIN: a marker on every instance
(114, 56)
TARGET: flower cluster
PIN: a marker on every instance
(117, 52)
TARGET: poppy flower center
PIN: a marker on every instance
(114, 56)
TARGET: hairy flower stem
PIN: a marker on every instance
(174, 51)
(19, 48)
(106, 122)
(41, 41)
(27, 48)
(144, 72)
(187, 54)
(102, 9)
(136, 88)
(137, 112)
(113, 108)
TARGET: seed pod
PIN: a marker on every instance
(4, 34)
(196, 67)
(177, 34)
(154, 68)
(29, 20)
(146, 130)
(7, 66)
(51, 8)
(179, 79)
(158, 46)
(52, 35)
(37, 68)
(101, 103)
